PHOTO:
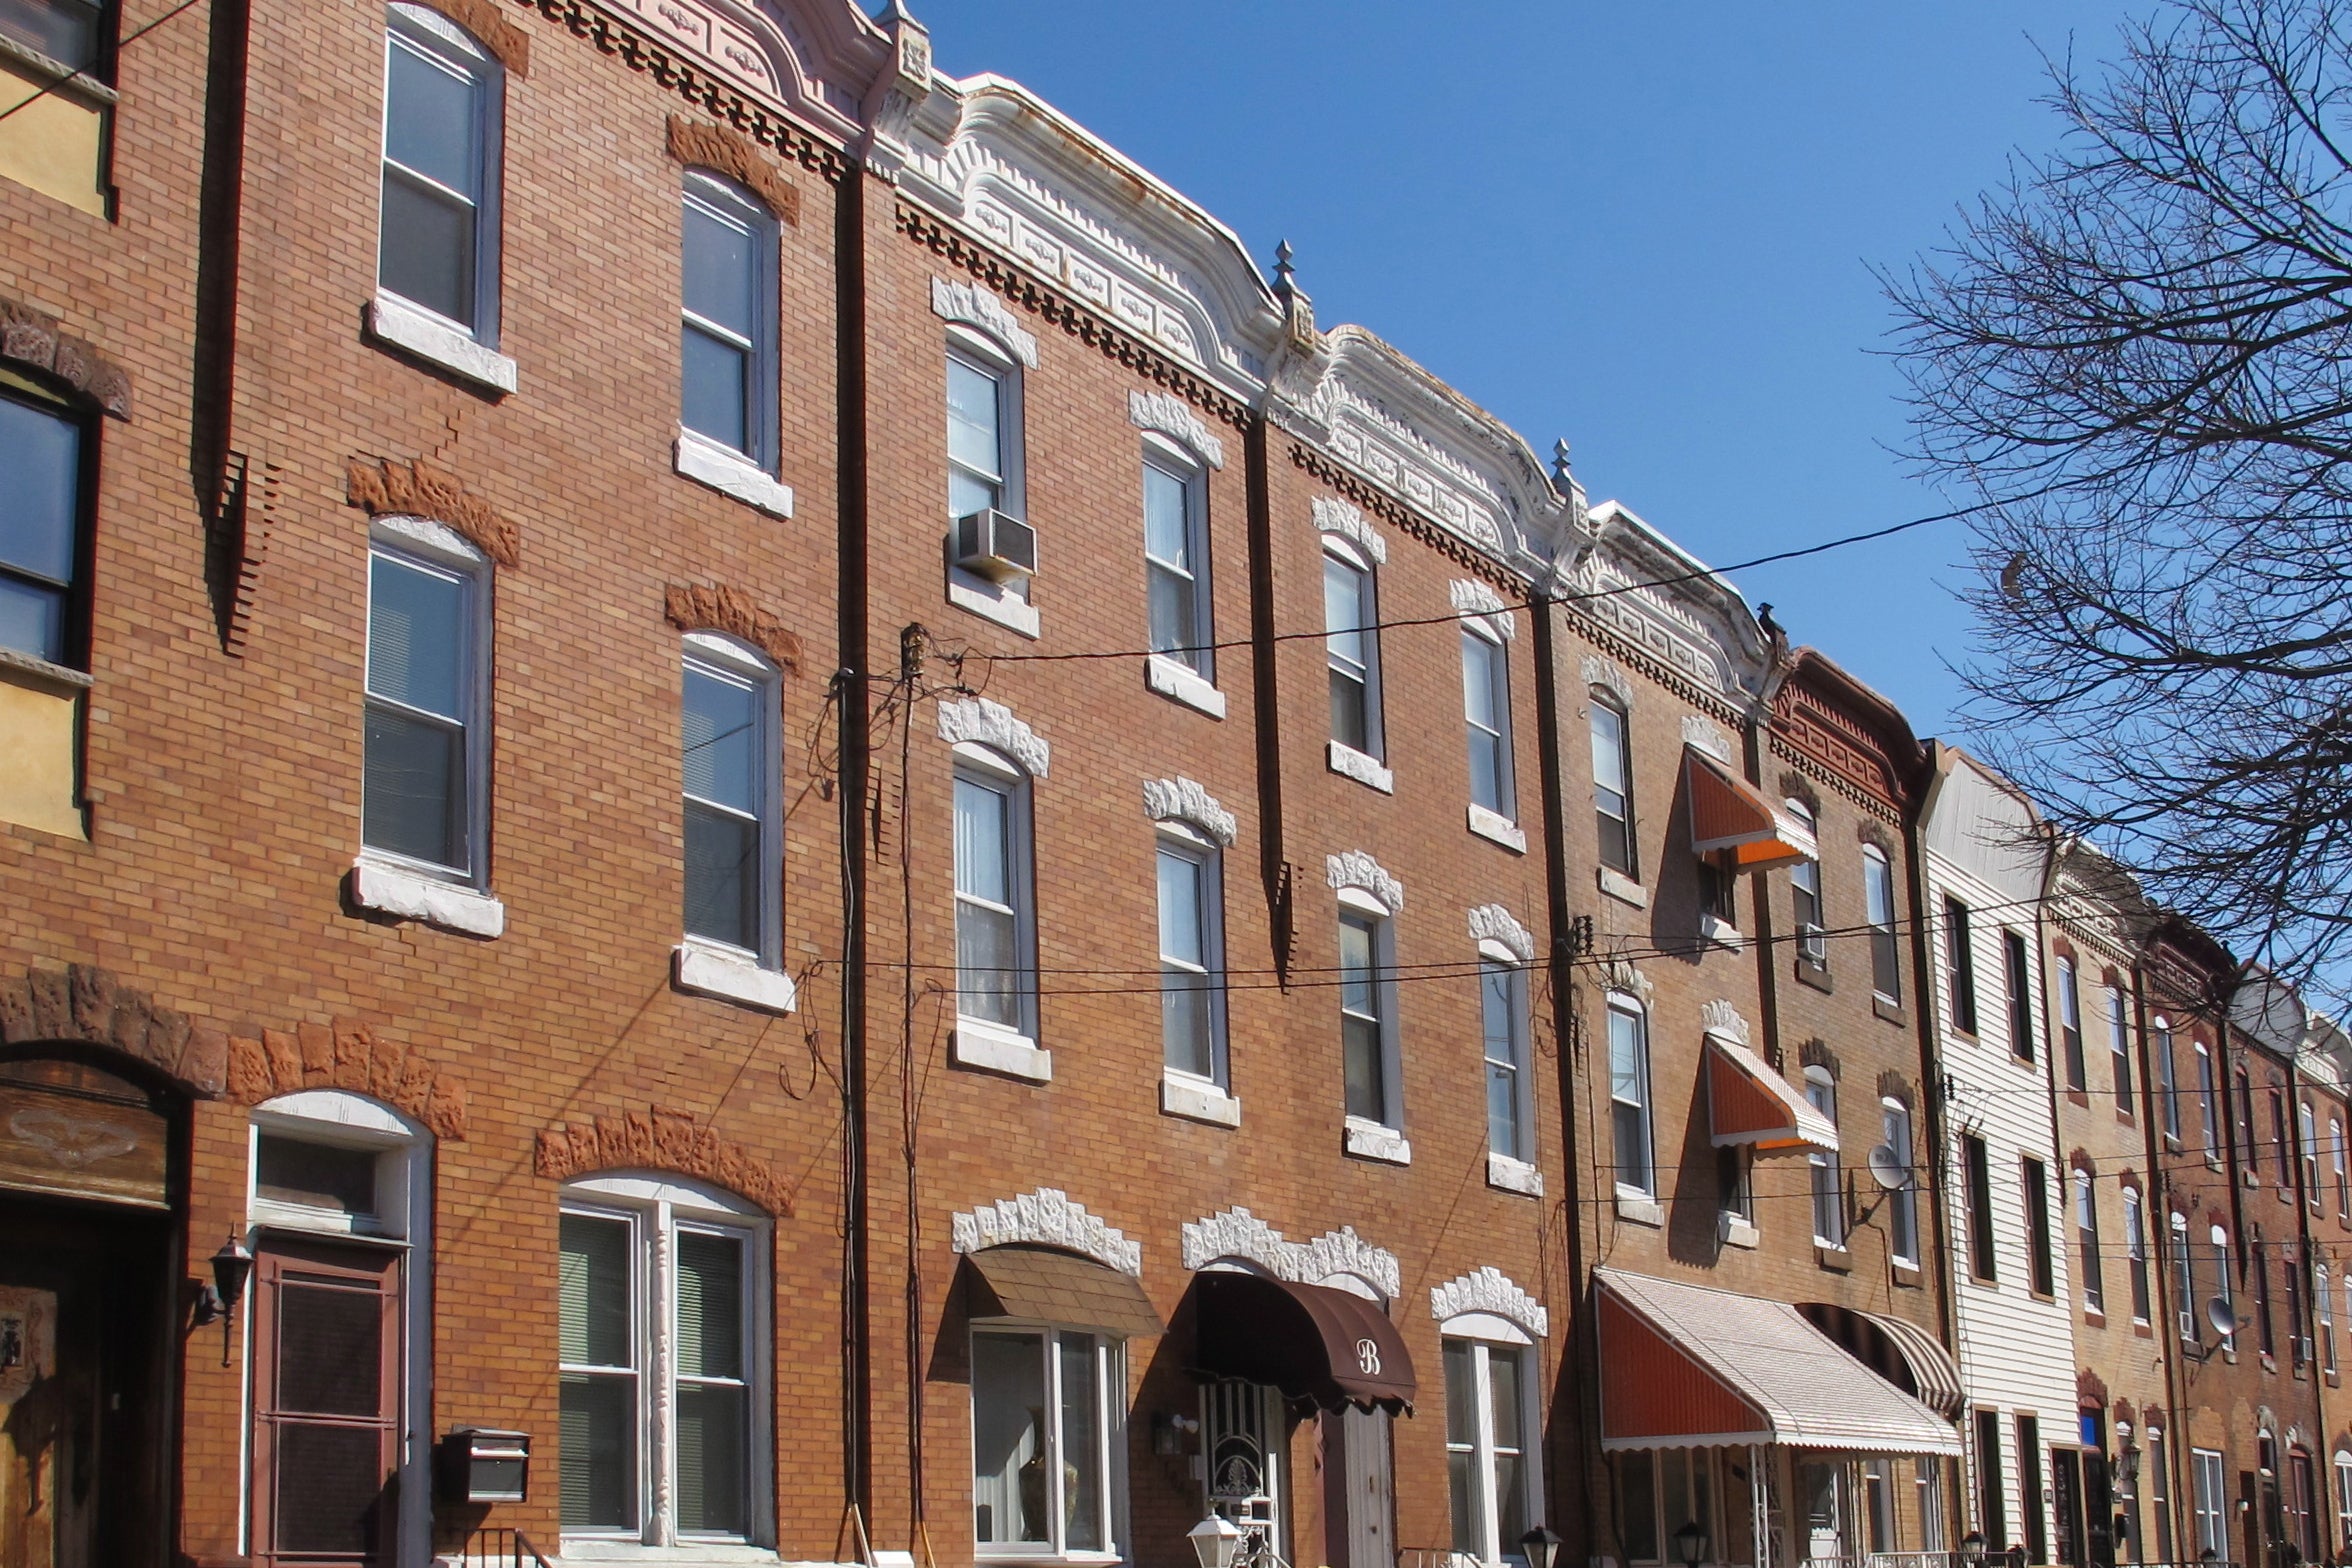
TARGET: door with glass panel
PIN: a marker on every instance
(326, 1405)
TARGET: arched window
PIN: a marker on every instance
(1829, 1216)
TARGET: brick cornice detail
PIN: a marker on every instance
(244, 1064)
(694, 607)
(31, 338)
(660, 1139)
(725, 150)
(487, 23)
(386, 487)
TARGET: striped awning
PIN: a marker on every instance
(1905, 1354)
(1686, 1366)
(1747, 1102)
(1729, 815)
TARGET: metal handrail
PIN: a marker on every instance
(499, 1548)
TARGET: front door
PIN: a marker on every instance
(1822, 1487)
(2066, 1495)
(1359, 1528)
(326, 1404)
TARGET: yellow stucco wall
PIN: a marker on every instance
(39, 744)
(56, 145)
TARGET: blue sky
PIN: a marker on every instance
(1648, 227)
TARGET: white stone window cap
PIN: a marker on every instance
(722, 468)
(731, 974)
(389, 888)
(430, 336)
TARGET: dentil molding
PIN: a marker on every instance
(1237, 1233)
(1047, 1218)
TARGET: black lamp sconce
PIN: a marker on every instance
(217, 1302)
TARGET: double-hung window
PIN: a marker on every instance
(2285, 1156)
(1365, 1008)
(734, 838)
(2208, 1094)
(1629, 1096)
(2307, 1126)
(425, 783)
(1192, 960)
(1612, 768)
(2186, 1308)
(1977, 1172)
(1828, 1181)
(438, 247)
(2342, 1169)
(1176, 559)
(2070, 1027)
(662, 1301)
(1486, 707)
(1502, 1006)
(1805, 895)
(727, 333)
(2323, 1306)
(2135, 1251)
(2119, 1047)
(1351, 640)
(2206, 1498)
(2223, 1286)
(983, 428)
(2086, 1225)
(1903, 1202)
(1046, 1409)
(2247, 1155)
(1960, 965)
(1886, 951)
(996, 967)
(44, 472)
(1490, 1438)
(2041, 1261)
(2017, 964)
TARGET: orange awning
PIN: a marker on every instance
(1750, 1103)
(1730, 816)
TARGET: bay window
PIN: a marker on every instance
(1046, 1414)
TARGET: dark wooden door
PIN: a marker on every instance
(326, 1405)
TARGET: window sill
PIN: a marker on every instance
(62, 80)
(731, 975)
(1197, 1100)
(2081, 1097)
(395, 322)
(729, 472)
(1892, 1012)
(1836, 1259)
(1064, 1559)
(1512, 1175)
(1180, 683)
(992, 601)
(1732, 1230)
(1721, 933)
(1815, 973)
(1368, 1140)
(1906, 1275)
(694, 1555)
(393, 890)
(1348, 762)
(1499, 828)
(25, 669)
(1622, 888)
(996, 1049)
(2094, 1317)
(1640, 1208)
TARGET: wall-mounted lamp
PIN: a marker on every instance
(217, 1302)
(1540, 1547)
(1216, 1541)
(1690, 1544)
(1972, 1549)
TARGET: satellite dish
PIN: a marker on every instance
(1888, 1168)
(2222, 1316)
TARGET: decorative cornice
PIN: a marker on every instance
(1703, 734)
(419, 489)
(1237, 1233)
(1604, 675)
(1185, 800)
(660, 1139)
(1355, 869)
(986, 723)
(956, 300)
(1490, 1290)
(1167, 413)
(1474, 598)
(1337, 517)
(725, 150)
(1720, 1017)
(696, 607)
(1493, 923)
(1046, 1218)
(1620, 976)
(31, 338)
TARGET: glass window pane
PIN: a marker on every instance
(1351, 710)
(598, 1461)
(721, 270)
(32, 619)
(988, 971)
(712, 1478)
(1008, 1440)
(1185, 1023)
(1502, 1376)
(967, 493)
(1357, 986)
(413, 799)
(41, 474)
(427, 250)
(974, 418)
(1461, 1392)
(1462, 1497)
(1640, 1514)
(716, 395)
(1081, 1445)
(1343, 612)
(432, 119)
(982, 854)
(1482, 685)
(1366, 1090)
(417, 625)
(722, 876)
(1173, 628)
(1486, 773)
(710, 1305)
(592, 1291)
(722, 736)
(1167, 532)
(61, 29)
(1608, 749)
(1180, 909)
(1511, 1504)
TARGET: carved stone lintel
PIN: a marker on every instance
(1171, 416)
(1606, 676)
(1493, 923)
(1703, 734)
(694, 607)
(1474, 598)
(1355, 869)
(955, 300)
(1490, 1290)
(986, 723)
(1720, 1017)
(1337, 517)
(1620, 976)
(31, 336)
(418, 489)
(1047, 1218)
(660, 1139)
(1185, 800)
(724, 150)
(1237, 1233)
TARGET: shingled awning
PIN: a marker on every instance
(1043, 1285)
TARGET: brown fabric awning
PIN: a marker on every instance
(1730, 815)
(1310, 1341)
(1045, 1286)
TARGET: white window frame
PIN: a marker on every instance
(1878, 887)
(1804, 885)
(1899, 1134)
(1363, 907)
(1192, 475)
(2343, 1171)
(2225, 1286)
(982, 353)
(2075, 1060)
(1493, 957)
(2086, 1230)
(2119, 1047)
(1343, 553)
(992, 769)
(1110, 1373)
(2184, 1279)
(1824, 1170)
(2208, 1091)
(1487, 1336)
(1493, 654)
(657, 1209)
(1620, 1004)
(2135, 1247)
(445, 45)
(1621, 714)
(723, 658)
(728, 203)
(423, 545)
(2342, 1467)
(2207, 1502)
(1184, 843)
(2323, 1307)
(2307, 1131)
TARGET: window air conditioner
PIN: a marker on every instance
(996, 545)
